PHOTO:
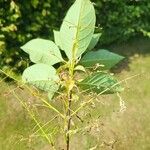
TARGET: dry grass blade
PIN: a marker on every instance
(36, 95)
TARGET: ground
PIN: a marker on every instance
(109, 126)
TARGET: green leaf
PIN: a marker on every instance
(43, 77)
(100, 82)
(43, 51)
(51, 94)
(57, 38)
(80, 68)
(94, 41)
(101, 57)
(77, 28)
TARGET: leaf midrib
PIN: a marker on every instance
(91, 60)
(78, 27)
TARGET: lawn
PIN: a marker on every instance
(109, 126)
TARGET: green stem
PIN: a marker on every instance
(71, 69)
(69, 100)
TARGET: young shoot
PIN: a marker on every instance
(76, 38)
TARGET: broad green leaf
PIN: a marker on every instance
(94, 41)
(51, 94)
(100, 82)
(77, 28)
(101, 57)
(57, 38)
(43, 77)
(43, 51)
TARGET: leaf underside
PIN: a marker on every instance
(57, 39)
(43, 51)
(77, 28)
(94, 41)
(42, 76)
(100, 82)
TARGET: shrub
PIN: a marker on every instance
(75, 38)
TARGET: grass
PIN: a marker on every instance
(107, 129)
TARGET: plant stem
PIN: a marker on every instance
(69, 100)
(68, 121)
(69, 88)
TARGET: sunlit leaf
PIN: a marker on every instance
(94, 41)
(43, 51)
(57, 38)
(43, 77)
(77, 28)
(80, 68)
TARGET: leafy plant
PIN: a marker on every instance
(76, 38)
(119, 20)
